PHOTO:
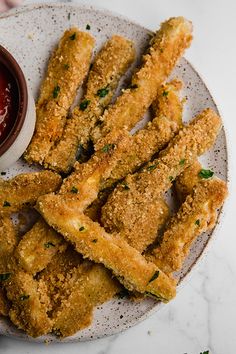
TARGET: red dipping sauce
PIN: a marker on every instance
(8, 102)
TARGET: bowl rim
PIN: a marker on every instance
(11, 64)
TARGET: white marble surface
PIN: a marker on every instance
(202, 317)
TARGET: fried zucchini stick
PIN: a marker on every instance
(167, 46)
(23, 190)
(93, 242)
(66, 71)
(29, 304)
(109, 65)
(38, 246)
(8, 242)
(94, 286)
(157, 177)
(197, 214)
(155, 135)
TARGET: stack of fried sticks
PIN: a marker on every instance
(98, 229)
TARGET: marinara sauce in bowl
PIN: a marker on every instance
(17, 111)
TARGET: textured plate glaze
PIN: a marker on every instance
(30, 33)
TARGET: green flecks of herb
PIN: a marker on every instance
(171, 178)
(102, 92)
(56, 91)
(95, 240)
(72, 37)
(3, 173)
(205, 174)
(74, 190)
(6, 203)
(165, 93)
(82, 228)
(197, 222)
(206, 352)
(108, 147)
(88, 27)
(24, 297)
(66, 66)
(84, 104)
(125, 186)
(134, 86)
(49, 245)
(155, 276)
(4, 276)
(68, 16)
(152, 167)
(182, 162)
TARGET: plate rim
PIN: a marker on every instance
(222, 212)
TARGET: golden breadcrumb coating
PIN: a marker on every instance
(108, 67)
(23, 190)
(4, 303)
(93, 287)
(154, 136)
(90, 239)
(167, 46)
(29, 304)
(197, 214)
(66, 71)
(38, 246)
(187, 180)
(145, 187)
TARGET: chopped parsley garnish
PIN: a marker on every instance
(171, 178)
(49, 244)
(197, 222)
(4, 276)
(24, 297)
(165, 93)
(125, 186)
(68, 16)
(84, 104)
(155, 276)
(72, 37)
(95, 240)
(6, 203)
(88, 27)
(66, 66)
(82, 228)
(152, 167)
(3, 173)
(206, 352)
(56, 91)
(102, 92)
(205, 173)
(108, 147)
(74, 190)
(182, 162)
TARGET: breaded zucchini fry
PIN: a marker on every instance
(94, 287)
(187, 180)
(109, 65)
(91, 240)
(167, 46)
(38, 246)
(197, 214)
(157, 177)
(23, 190)
(155, 135)
(29, 304)
(67, 69)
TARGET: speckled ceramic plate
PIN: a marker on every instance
(30, 33)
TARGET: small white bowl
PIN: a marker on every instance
(21, 131)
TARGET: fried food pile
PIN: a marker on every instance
(103, 221)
